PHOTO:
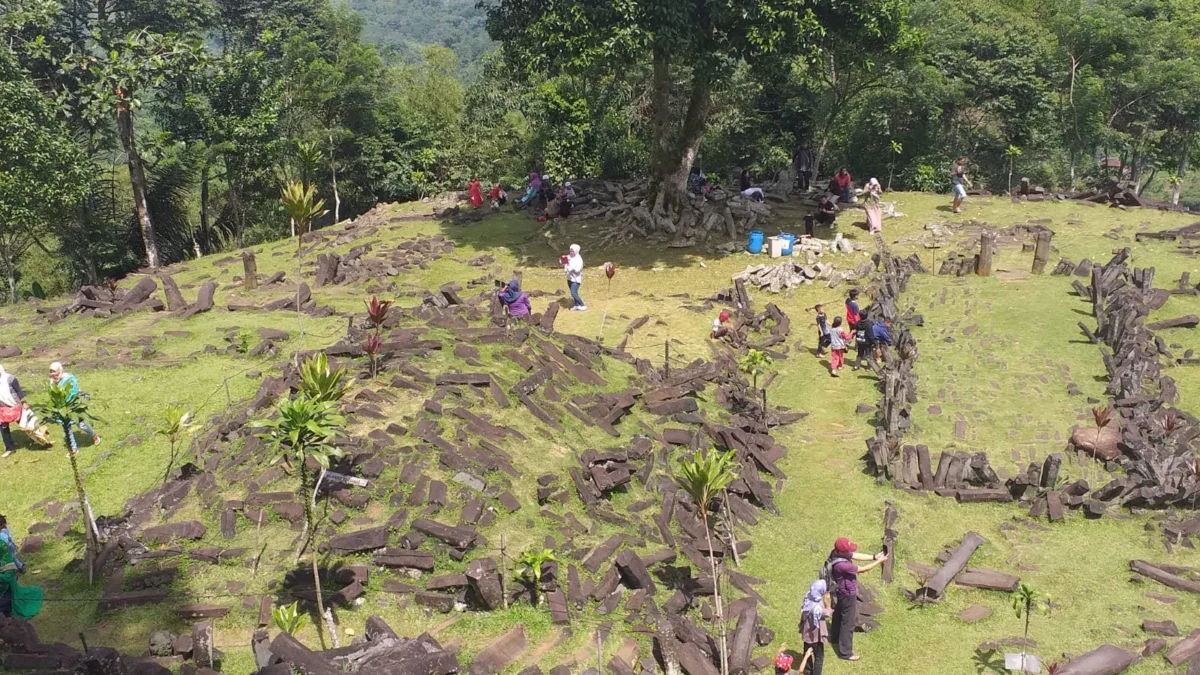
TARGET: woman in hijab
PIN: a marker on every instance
(535, 185)
(22, 602)
(11, 408)
(871, 205)
(514, 300)
(813, 628)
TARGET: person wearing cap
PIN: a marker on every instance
(573, 265)
(843, 581)
(718, 329)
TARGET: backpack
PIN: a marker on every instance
(826, 573)
(863, 333)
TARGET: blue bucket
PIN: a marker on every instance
(789, 239)
(755, 245)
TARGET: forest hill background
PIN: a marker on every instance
(183, 118)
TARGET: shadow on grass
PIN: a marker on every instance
(531, 245)
(988, 661)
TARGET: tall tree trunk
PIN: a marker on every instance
(309, 535)
(660, 96)
(720, 610)
(681, 155)
(204, 225)
(337, 200)
(137, 178)
(10, 273)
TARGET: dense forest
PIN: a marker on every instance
(141, 133)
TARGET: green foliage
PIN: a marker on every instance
(706, 475)
(175, 424)
(303, 428)
(532, 560)
(302, 206)
(319, 382)
(243, 339)
(288, 618)
(62, 408)
(928, 179)
(755, 363)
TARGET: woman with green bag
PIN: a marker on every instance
(22, 602)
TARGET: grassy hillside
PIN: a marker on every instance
(998, 352)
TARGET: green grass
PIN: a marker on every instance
(1008, 378)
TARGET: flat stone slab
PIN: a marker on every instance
(501, 653)
(974, 613)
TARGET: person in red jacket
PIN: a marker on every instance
(841, 185)
(853, 313)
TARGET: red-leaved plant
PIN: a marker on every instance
(371, 346)
(377, 311)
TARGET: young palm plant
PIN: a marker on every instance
(755, 363)
(319, 382)
(302, 206)
(1027, 600)
(533, 560)
(704, 478)
(176, 424)
(65, 409)
(305, 429)
(288, 618)
(1013, 152)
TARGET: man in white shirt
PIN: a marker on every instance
(574, 268)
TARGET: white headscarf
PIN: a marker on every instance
(8, 397)
(575, 249)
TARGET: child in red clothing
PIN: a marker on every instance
(838, 341)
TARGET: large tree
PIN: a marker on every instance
(692, 46)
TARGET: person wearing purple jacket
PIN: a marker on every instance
(515, 301)
(842, 578)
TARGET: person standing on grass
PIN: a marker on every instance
(881, 337)
(814, 629)
(12, 407)
(841, 576)
(822, 330)
(863, 340)
(838, 341)
(62, 378)
(853, 313)
(959, 183)
(573, 264)
(6, 539)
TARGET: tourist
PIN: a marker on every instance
(783, 660)
(6, 539)
(475, 190)
(842, 574)
(827, 211)
(12, 408)
(718, 328)
(744, 180)
(514, 300)
(535, 186)
(864, 341)
(546, 192)
(71, 383)
(569, 191)
(749, 191)
(497, 196)
(822, 330)
(874, 211)
(573, 265)
(838, 340)
(881, 337)
(565, 195)
(814, 629)
(697, 182)
(841, 186)
(22, 602)
(804, 162)
(852, 311)
(959, 183)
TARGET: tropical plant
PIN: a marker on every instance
(1025, 601)
(175, 424)
(319, 382)
(305, 429)
(302, 206)
(377, 311)
(755, 363)
(244, 337)
(289, 619)
(66, 408)
(371, 346)
(533, 560)
(703, 478)
(1012, 153)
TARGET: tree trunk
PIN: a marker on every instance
(337, 200)
(11, 274)
(679, 157)
(720, 609)
(306, 539)
(1174, 199)
(661, 128)
(137, 178)
(90, 533)
(204, 225)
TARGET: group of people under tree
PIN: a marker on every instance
(14, 408)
